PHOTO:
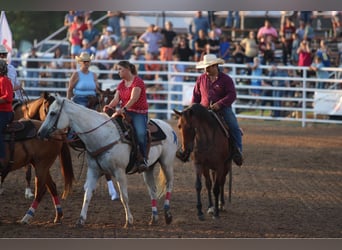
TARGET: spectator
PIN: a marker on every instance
(183, 50)
(55, 65)
(69, 18)
(138, 55)
(238, 54)
(151, 39)
(295, 45)
(224, 51)
(323, 52)
(267, 30)
(250, 46)
(167, 42)
(284, 48)
(317, 66)
(151, 74)
(306, 16)
(86, 47)
(199, 23)
(278, 93)
(304, 55)
(125, 44)
(233, 22)
(300, 31)
(309, 33)
(107, 33)
(256, 71)
(336, 23)
(177, 68)
(32, 72)
(114, 22)
(213, 44)
(267, 49)
(200, 46)
(91, 34)
(287, 31)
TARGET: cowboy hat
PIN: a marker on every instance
(84, 57)
(3, 50)
(208, 60)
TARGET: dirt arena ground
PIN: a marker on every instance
(289, 187)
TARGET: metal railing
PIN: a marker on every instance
(297, 103)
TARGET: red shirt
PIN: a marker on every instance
(140, 106)
(6, 92)
(221, 91)
(304, 59)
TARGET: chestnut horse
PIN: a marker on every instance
(41, 154)
(204, 137)
(33, 109)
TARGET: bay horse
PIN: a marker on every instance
(108, 152)
(205, 140)
(32, 109)
(41, 154)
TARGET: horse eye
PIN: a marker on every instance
(53, 113)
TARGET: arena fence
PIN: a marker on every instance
(299, 101)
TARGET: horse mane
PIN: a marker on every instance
(202, 114)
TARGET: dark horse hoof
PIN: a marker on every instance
(201, 217)
(168, 217)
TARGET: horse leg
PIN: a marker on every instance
(40, 190)
(208, 184)
(198, 185)
(169, 188)
(51, 185)
(216, 191)
(28, 176)
(89, 188)
(149, 181)
(121, 179)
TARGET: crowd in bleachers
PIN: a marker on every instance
(295, 39)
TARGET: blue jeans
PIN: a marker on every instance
(82, 100)
(229, 19)
(5, 118)
(32, 83)
(233, 125)
(140, 126)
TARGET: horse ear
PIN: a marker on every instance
(178, 113)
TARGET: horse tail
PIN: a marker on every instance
(67, 169)
(161, 184)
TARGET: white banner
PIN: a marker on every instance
(5, 34)
(328, 102)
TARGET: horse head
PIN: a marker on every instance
(187, 133)
(54, 119)
(47, 101)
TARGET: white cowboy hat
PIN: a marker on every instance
(3, 50)
(84, 57)
(208, 60)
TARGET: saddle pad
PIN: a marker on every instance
(22, 130)
(157, 134)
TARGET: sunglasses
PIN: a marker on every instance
(86, 61)
(3, 55)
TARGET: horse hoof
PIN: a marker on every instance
(80, 222)
(153, 221)
(211, 210)
(201, 217)
(168, 217)
(28, 194)
(128, 225)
